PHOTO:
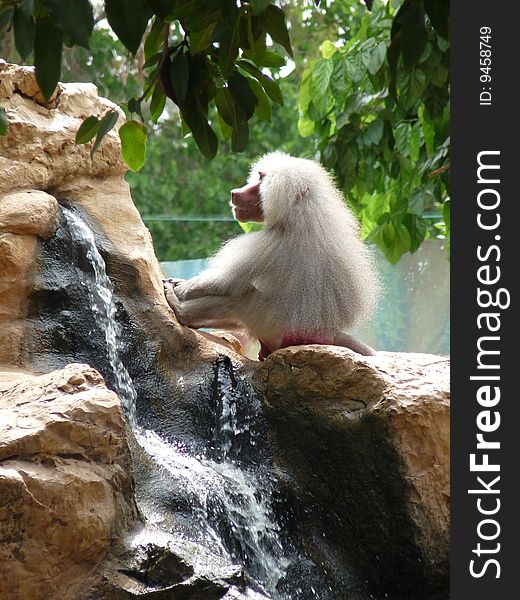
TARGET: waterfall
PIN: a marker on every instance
(101, 294)
(230, 498)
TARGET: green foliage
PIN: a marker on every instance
(133, 144)
(376, 106)
(371, 90)
(88, 130)
(4, 123)
(48, 41)
(105, 125)
(192, 51)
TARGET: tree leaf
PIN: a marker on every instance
(47, 55)
(240, 137)
(377, 58)
(228, 51)
(226, 106)
(348, 160)
(402, 138)
(128, 19)
(74, 18)
(205, 139)
(157, 103)
(339, 80)
(267, 59)
(180, 74)
(321, 73)
(256, 36)
(225, 129)
(24, 29)
(4, 123)
(270, 86)
(161, 7)
(306, 126)
(439, 77)
(133, 144)
(374, 132)
(304, 94)
(153, 41)
(327, 49)
(318, 108)
(87, 130)
(415, 142)
(263, 107)
(245, 99)
(202, 14)
(428, 130)
(153, 60)
(200, 40)
(416, 202)
(355, 67)
(414, 35)
(202, 132)
(134, 106)
(438, 12)
(403, 235)
(417, 83)
(417, 230)
(259, 5)
(105, 125)
(6, 15)
(273, 19)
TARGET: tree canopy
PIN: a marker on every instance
(363, 87)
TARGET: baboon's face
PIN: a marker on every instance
(246, 202)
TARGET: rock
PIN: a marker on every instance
(65, 489)
(363, 443)
(157, 566)
(24, 215)
(39, 150)
(31, 212)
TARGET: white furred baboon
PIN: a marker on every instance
(304, 279)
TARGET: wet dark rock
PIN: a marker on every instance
(157, 566)
(361, 445)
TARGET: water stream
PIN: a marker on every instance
(101, 296)
(230, 498)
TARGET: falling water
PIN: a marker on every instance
(231, 500)
(104, 309)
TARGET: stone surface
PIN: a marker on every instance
(32, 212)
(65, 490)
(24, 215)
(364, 444)
(39, 150)
(158, 566)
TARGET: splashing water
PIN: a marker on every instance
(232, 500)
(231, 504)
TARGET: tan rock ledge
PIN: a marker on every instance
(65, 489)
